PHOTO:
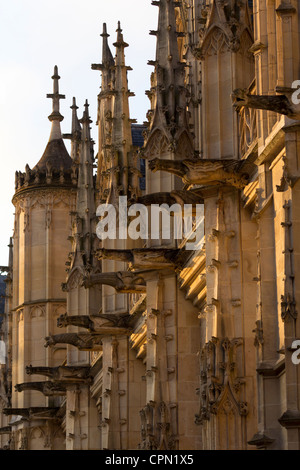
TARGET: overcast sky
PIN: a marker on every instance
(35, 35)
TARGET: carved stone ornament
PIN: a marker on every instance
(220, 382)
(261, 441)
(32, 412)
(281, 104)
(180, 197)
(101, 323)
(203, 172)
(144, 258)
(123, 281)
(82, 341)
(70, 374)
(48, 388)
(223, 26)
(288, 308)
(156, 429)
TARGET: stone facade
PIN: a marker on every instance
(145, 344)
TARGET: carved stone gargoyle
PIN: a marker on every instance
(68, 374)
(100, 324)
(281, 104)
(144, 258)
(48, 388)
(203, 172)
(82, 341)
(123, 281)
(41, 411)
(180, 197)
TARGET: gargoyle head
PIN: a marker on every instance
(154, 165)
(239, 97)
(49, 341)
(29, 369)
(86, 282)
(62, 321)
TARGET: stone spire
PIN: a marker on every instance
(55, 117)
(122, 155)
(85, 200)
(107, 62)
(75, 135)
(168, 93)
(104, 113)
(55, 167)
(122, 124)
(85, 205)
(56, 155)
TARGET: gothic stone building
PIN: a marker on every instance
(146, 344)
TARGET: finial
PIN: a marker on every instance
(75, 122)
(120, 41)
(86, 116)
(107, 58)
(74, 106)
(55, 117)
(104, 33)
(55, 96)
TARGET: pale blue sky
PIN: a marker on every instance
(35, 35)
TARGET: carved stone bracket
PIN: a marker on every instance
(261, 441)
(290, 419)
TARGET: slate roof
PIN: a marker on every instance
(57, 155)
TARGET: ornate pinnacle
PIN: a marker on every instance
(120, 40)
(76, 128)
(86, 116)
(55, 96)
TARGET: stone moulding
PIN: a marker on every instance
(260, 440)
(271, 370)
(290, 419)
(5, 430)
